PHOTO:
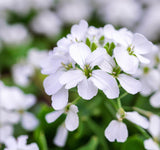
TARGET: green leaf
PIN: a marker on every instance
(133, 143)
(91, 145)
(88, 42)
(93, 46)
(109, 48)
(101, 40)
(40, 139)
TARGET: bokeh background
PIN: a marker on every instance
(31, 28)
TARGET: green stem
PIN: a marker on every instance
(144, 112)
(123, 95)
(76, 100)
(119, 102)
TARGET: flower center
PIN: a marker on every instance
(67, 66)
(145, 70)
(87, 71)
(116, 71)
(130, 50)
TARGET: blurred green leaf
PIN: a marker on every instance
(91, 145)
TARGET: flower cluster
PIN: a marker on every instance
(13, 109)
(93, 59)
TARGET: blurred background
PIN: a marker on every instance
(30, 28)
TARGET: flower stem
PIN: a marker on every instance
(119, 102)
(76, 100)
(123, 95)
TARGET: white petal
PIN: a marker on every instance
(79, 53)
(29, 101)
(51, 83)
(116, 131)
(155, 100)
(32, 146)
(128, 63)
(71, 78)
(141, 44)
(61, 136)
(11, 143)
(51, 117)
(29, 121)
(154, 126)
(60, 99)
(105, 82)
(86, 89)
(130, 84)
(142, 59)
(5, 132)
(137, 119)
(22, 140)
(79, 31)
(151, 145)
(72, 119)
(96, 57)
(108, 64)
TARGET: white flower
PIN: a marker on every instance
(61, 136)
(13, 99)
(116, 130)
(21, 143)
(154, 129)
(71, 121)
(149, 144)
(22, 73)
(130, 8)
(41, 25)
(87, 79)
(130, 50)
(73, 11)
(129, 83)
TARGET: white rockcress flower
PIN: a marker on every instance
(154, 129)
(117, 130)
(20, 144)
(131, 49)
(71, 121)
(14, 100)
(61, 136)
(87, 79)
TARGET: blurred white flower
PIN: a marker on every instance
(13, 99)
(73, 11)
(150, 23)
(61, 136)
(72, 119)
(21, 143)
(111, 12)
(15, 34)
(47, 23)
(154, 129)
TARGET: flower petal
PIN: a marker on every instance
(51, 117)
(51, 83)
(61, 136)
(86, 89)
(137, 119)
(154, 126)
(142, 59)
(72, 119)
(149, 144)
(96, 57)
(155, 100)
(141, 44)
(29, 121)
(79, 53)
(128, 63)
(71, 78)
(105, 82)
(116, 131)
(130, 84)
(60, 99)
